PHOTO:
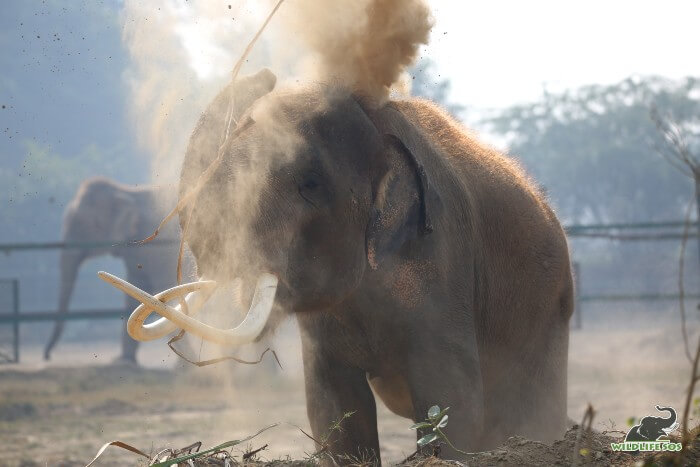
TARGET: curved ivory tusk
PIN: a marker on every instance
(194, 301)
(163, 326)
(246, 332)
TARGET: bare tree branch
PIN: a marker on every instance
(681, 285)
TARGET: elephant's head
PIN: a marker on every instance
(652, 427)
(313, 190)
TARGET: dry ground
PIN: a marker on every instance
(61, 413)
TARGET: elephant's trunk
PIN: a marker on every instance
(671, 420)
(70, 263)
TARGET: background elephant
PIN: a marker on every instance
(421, 266)
(650, 428)
(106, 211)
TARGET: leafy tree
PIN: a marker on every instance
(62, 113)
(594, 151)
(593, 148)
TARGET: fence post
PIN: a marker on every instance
(15, 324)
(578, 305)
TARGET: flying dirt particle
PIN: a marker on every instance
(139, 266)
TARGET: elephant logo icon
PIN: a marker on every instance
(651, 427)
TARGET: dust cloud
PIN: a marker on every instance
(182, 54)
(365, 45)
(181, 59)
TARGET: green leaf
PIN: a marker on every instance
(442, 413)
(630, 421)
(443, 422)
(420, 425)
(427, 439)
(433, 412)
(696, 401)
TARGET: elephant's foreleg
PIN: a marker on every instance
(332, 391)
(454, 381)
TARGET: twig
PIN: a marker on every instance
(250, 454)
(188, 449)
(587, 417)
(689, 396)
(605, 432)
(681, 285)
(204, 177)
(220, 359)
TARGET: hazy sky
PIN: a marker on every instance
(500, 52)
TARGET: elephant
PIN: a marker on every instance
(105, 211)
(422, 266)
(651, 428)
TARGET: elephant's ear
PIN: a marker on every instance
(399, 212)
(248, 89)
(207, 136)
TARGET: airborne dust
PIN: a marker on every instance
(182, 55)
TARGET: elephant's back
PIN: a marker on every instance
(471, 158)
(519, 234)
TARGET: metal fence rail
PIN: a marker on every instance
(574, 230)
(72, 315)
(651, 231)
(7, 248)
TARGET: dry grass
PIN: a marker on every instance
(61, 416)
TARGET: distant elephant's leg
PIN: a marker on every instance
(70, 262)
(332, 390)
(129, 345)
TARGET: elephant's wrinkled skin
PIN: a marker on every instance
(104, 211)
(420, 264)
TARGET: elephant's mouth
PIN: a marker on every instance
(195, 295)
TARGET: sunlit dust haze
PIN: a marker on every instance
(182, 54)
(182, 58)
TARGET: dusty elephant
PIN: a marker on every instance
(420, 265)
(104, 211)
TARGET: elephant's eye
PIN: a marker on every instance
(309, 189)
(310, 185)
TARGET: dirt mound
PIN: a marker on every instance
(593, 449)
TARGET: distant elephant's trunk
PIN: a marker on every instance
(70, 262)
(671, 420)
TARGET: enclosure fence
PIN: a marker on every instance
(11, 314)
